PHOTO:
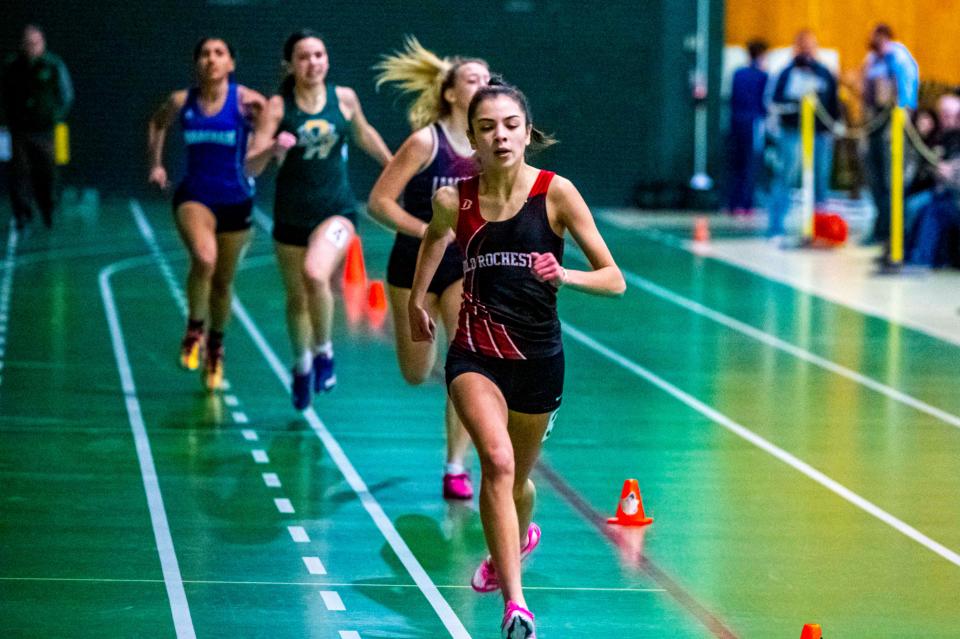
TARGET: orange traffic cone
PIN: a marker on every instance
(811, 631)
(630, 509)
(701, 229)
(354, 270)
(376, 304)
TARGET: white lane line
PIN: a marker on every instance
(260, 456)
(298, 534)
(332, 600)
(443, 610)
(786, 347)
(349, 634)
(271, 480)
(6, 287)
(250, 435)
(147, 232)
(231, 400)
(182, 621)
(314, 566)
(240, 417)
(763, 444)
(420, 577)
(283, 505)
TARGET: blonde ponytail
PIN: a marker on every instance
(418, 71)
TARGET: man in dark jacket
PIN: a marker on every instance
(37, 94)
(747, 112)
(804, 75)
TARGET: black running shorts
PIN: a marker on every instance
(532, 386)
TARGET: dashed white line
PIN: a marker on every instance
(231, 400)
(240, 417)
(332, 600)
(283, 505)
(314, 566)
(260, 456)
(299, 534)
(383, 523)
(251, 435)
(271, 480)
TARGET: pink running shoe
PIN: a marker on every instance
(517, 623)
(485, 577)
(457, 486)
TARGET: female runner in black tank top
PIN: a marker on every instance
(437, 153)
(505, 369)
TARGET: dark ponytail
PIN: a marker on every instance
(497, 87)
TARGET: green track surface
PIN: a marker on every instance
(743, 544)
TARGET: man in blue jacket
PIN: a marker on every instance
(37, 94)
(747, 113)
(803, 76)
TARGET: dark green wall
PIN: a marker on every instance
(610, 80)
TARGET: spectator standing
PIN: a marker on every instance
(747, 113)
(891, 78)
(803, 76)
(37, 94)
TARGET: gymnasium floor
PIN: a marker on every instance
(799, 458)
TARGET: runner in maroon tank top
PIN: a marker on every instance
(437, 154)
(505, 367)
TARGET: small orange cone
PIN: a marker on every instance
(701, 229)
(630, 509)
(354, 270)
(376, 304)
(811, 631)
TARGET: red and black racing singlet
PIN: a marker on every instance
(506, 312)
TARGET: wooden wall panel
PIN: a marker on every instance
(928, 28)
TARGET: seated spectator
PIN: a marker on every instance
(937, 229)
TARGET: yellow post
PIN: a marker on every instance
(61, 144)
(807, 122)
(896, 185)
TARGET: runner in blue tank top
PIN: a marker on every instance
(505, 369)
(437, 154)
(314, 213)
(213, 202)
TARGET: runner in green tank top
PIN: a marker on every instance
(312, 183)
(315, 210)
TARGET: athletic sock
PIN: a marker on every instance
(304, 363)
(214, 340)
(195, 325)
(325, 349)
(454, 469)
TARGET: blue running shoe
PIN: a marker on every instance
(324, 379)
(300, 390)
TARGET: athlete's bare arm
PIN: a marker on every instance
(157, 129)
(265, 143)
(361, 131)
(413, 155)
(440, 232)
(567, 210)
